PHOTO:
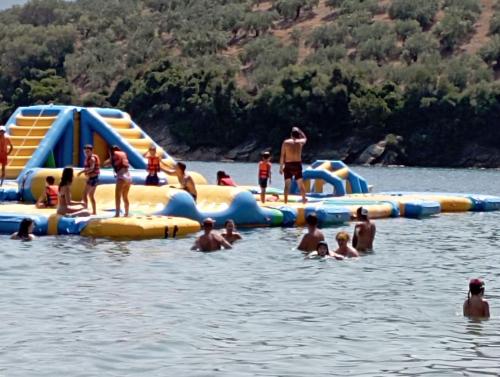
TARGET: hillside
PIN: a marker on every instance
(418, 77)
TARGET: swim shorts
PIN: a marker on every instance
(263, 182)
(93, 181)
(293, 169)
(152, 180)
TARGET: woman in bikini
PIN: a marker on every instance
(66, 206)
(119, 161)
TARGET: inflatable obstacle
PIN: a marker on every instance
(48, 138)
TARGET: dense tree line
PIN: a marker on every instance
(216, 73)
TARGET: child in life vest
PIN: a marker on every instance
(264, 174)
(224, 179)
(91, 169)
(49, 197)
(154, 167)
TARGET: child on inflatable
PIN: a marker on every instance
(154, 167)
(224, 179)
(264, 174)
(91, 171)
(49, 197)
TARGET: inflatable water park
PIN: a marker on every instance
(47, 138)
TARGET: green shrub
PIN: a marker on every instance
(406, 28)
(417, 45)
(423, 11)
(324, 36)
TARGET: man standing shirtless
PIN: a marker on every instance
(291, 161)
(364, 232)
(210, 240)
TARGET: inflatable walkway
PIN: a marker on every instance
(48, 138)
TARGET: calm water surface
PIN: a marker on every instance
(77, 307)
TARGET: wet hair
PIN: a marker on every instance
(312, 219)
(66, 178)
(322, 243)
(220, 175)
(342, 236)
(229, 221)
(476, 287)
(360, 215)
(24, 228)
(182, 166)
(50, 180)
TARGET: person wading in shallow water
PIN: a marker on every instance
(364, 232)
(313, 236)
(476, 306)
(291, 162)
(210, 240)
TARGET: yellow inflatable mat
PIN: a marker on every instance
(140, 227)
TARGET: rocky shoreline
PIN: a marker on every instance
(392, 150)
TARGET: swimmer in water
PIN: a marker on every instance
(320, 252)
(313, 236)
(229, 234)
(476, 306)
(364, 232)
(344, 250)
(210, 240)
(25, 232)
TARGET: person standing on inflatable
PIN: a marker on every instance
(119, 161)
(91, 169)
(4, 151)
(291, 161)
(264, 174)
(153, 168)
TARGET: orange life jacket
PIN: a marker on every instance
(120, 160)
(51, 195)
(153, 164)
(264, 169)
(97, 164)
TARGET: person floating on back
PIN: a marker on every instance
(91, 169)
(210, 240)
(25, 232)
(344, 249)
(49, 197)
(313, 236)
(223, 179)
(291, 161)
(476, 306)
(5, 150)
(264, 174)
(119, 161)
(185, 180)
(230, 234)
(364, 232)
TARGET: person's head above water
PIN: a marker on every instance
(362, 213)
(229, 225)
(342, 237)
(322, 248)
(25, 228)
(295, 133)
(312, 220)
(476, 287)
(208, 224)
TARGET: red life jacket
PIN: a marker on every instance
(120, 160)
(264, 169)
(97, 164)
(228, 181)
(51, 195)
(153, 164)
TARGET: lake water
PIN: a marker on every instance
(71, 306)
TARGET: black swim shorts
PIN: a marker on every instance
(293, 169)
